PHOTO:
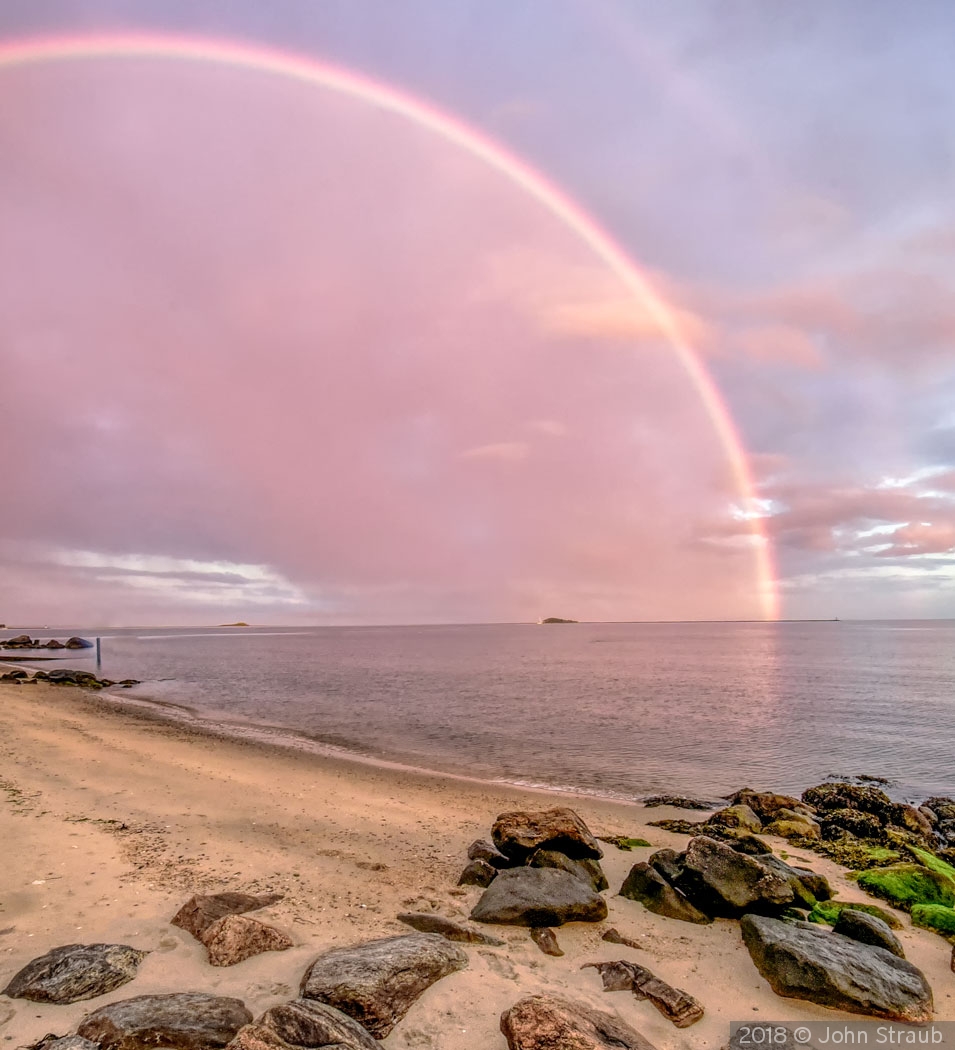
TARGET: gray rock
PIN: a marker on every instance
(738, 816)
(807, 886)
(539, 897)
(519, 833)
(769, 806)
(676, 1005)
(305, 1022)
(481, 849)
(646, 885)
(802, 960)
(62, 1042)
(74, 972)
(585, 869)
(478, 873)
(868, 929)
(668, 863)
(548, 1022)
(428, 922)
(545, 939)
(202, 910)
(722, 882)
(78, 643)
(233, 938)
(377, 982)
(181, 1020)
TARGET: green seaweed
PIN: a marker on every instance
(905, 885)
(627, 844)
(934, 917)
(828, 911)
(929, 860)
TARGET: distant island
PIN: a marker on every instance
(555, 619)
(238, 623)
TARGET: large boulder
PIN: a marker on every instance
(307, 1023)
(738, 816)
(78, 643)
(202, 910)
(548, 1022)
(722, 882)
(646, 885)
(905, 885)
(539, 897)
(74, 972)
(233, 938)
(181, 1021)
(377, 982)
(518, 834)
(804, 961)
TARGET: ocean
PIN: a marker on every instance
(617, 710)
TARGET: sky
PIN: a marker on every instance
(277, 352)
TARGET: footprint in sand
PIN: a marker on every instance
(499, 965)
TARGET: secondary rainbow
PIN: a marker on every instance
(38, 50)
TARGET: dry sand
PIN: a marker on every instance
(111, 817)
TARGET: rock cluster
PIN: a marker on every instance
(220, 923)
(24, 641)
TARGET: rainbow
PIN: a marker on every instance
(35, 51)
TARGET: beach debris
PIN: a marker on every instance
(518, 834)
(545, 939)
(585, 869)
(646, 885)
(429, 922)
(614, 936)
(233, 938)
(676, 1005)
(75, 971)
(541, 1022)
(680, 802)
(623, 842)
(868, 929)
(377, 982)
(181, 1020)
(802, 960)
(306, 1023)
(481, 849)
(478, 873)
(539, 897)
(202, 910)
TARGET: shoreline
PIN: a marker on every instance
(112, 818)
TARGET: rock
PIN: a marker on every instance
(769, 806)
(181, 1020)
(63, 1042)
(722, 882)
(478, 873)
(801, 960)
(428, 922)
(202, 910)
(539, 897)
(305, 1022)
(233, 938)
(548, 1022)
(518, 834)
(22, 641)
(78, 643)
(624, 842)
(588, 871)
(377, 982)
(934, 917)
(676, 1005)
(668, 863)
(481, 849)
(867, 929)
(794, 829)
(545, 939)
(739, 816)
(646, 885)
(836, 822)
(807, 886)
(839, 795)
(906, 884)
(75, 971)
(54, 644)
(679, 802)
(614, 936)
(839, 806)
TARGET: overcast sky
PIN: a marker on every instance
(271, 352)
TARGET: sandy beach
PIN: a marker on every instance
(110, 817)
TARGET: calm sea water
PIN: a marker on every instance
(613, 709)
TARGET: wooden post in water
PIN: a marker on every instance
(99, 655)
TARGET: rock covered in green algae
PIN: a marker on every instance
(905, 885)
(827, 912)
(935, 917)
